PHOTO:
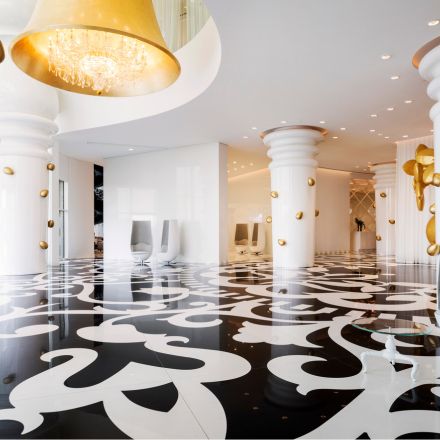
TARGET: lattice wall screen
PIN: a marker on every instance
(362, 204)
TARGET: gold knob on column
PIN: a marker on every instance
(432, 209)
(433, 250)
(43, 245)
(436, 179)
(50, 224)
(269, 219)
(299, 215)
(44, 192)
(316, 212)
(383, 195)
(50, 166)
(311, 181)
(378, 238)
(274, 194)
(281, 242)
(8, 170)
(391, 221)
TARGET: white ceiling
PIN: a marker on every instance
(301, 61)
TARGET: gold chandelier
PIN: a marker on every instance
(96, 47)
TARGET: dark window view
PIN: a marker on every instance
(99, 211)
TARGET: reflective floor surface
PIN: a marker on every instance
(111, 350)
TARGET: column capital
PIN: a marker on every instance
(385, 174)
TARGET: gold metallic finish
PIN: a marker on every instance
(50, 224)
(391, 221)
(436, 179)
(8, 170)
(269, 219)
(383, 195)
(50, 166)
(381, 163)
(433, 250)
(299, 215)
(43, 245)
(316, 212)
(2, 52)
(417, 58)
(323, 131)
(311, 181)
(378, 238)
(432, 209)
(111, 21)
(281, 242)
(430, 230)
(44, 192)
(374, 205)
(274, 194)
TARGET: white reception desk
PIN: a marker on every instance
(362, 241)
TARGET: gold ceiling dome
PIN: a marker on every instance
(96, 47)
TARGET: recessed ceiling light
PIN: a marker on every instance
(251, 164)
(234, 162)
(242, 166)
(357, 166)
(343, 129)
(394, 77)
(372, 130)
(390, 109)
(335, 137)
(235, 169)
(405, 136)
(432, 130)
(386, 137)
(365, 169)
(131, 149)
(283, 122)
(379, 134)
(408, 101)
(373, 115)
(322, 122)
(253, 128)
(386, 56)
(245, 137)
(228, 171)
(433, 22)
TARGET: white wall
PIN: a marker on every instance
(187, 184)
(333, 202)
(80, 218)
(411, 241)
(249, 201)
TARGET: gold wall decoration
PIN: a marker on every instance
(50, 224)
(311, 181)
(422, 170)
(281, 242)
(2, 52)
(378, 238)
(299, 215)
(268, 219)
(391, 221)
(274, 194)
(43, 245)
(8, 170)
(44, 192)
(50, 166)
(383, 194)
(316, 212)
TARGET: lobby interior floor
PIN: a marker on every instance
(111, 350)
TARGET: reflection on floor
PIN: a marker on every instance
(107, 350)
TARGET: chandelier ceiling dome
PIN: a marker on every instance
(96, 47)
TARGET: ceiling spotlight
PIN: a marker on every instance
(386, 137)
(235, 169)
(373, 115)
(379, 134)
(234, 162)
(357, 166)
(394, 77)
(322, 122)
(372, 130)
(335, 137)
(253, 128)
(390, 109)
(365, 169)
(251, 164)
(405, 136)
(228, 171)
(283, 122)
(343, 129)
(131, 149)
(386, 56)
(242, 166)
(408, 101)
(245, 137)
(433, 22)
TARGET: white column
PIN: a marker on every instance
(427, 60)
(385, 198)
(27, 111)
(293, 190)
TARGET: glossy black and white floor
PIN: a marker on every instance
(110, 350)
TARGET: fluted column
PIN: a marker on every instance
(427, 60)
(293, 191)
(27, 111)
(385, 199)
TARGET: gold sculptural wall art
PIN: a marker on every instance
(422, 170)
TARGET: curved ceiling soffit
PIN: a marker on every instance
(200, 60)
